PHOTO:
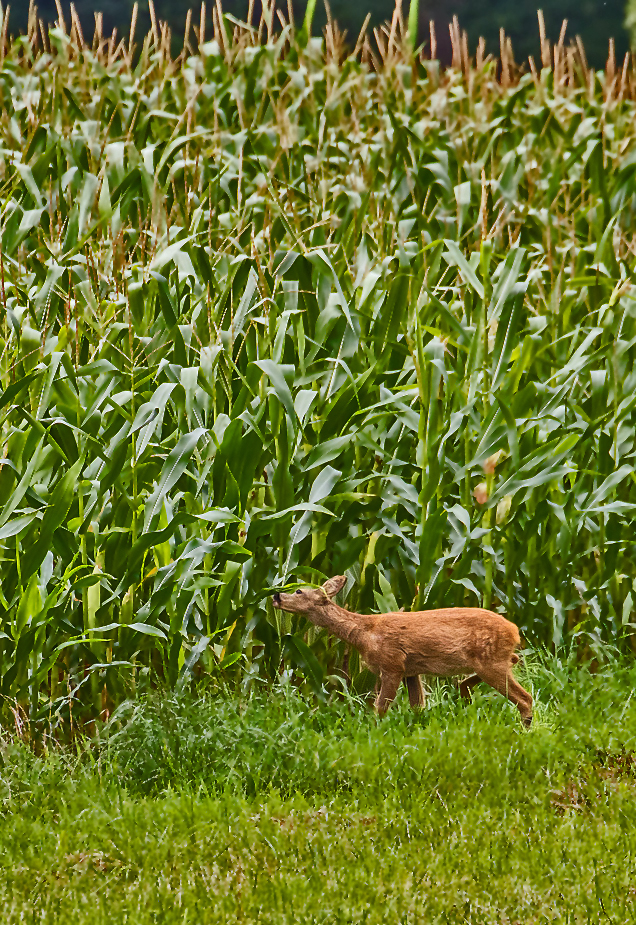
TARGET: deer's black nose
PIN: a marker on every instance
(276, 599)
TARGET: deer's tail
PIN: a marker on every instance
(514, 659)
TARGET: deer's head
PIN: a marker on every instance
(310, 601)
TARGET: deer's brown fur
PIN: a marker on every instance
(403, 646)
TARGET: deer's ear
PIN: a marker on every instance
(333, 585)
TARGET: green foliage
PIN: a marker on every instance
(269, 314)
(278, 811)
(630, 21)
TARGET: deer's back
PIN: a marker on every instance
(441, 642)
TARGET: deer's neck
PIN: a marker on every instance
(351, 627)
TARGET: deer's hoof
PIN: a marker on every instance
(527, 721)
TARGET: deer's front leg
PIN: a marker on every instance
(389, 684)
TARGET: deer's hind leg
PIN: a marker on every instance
(467, 685)
(501, 678)
(416, 691)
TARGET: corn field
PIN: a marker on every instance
(279, 308)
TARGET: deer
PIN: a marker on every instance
(402, 646)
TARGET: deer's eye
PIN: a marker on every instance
(298, 591)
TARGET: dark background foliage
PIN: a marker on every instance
(596, 21)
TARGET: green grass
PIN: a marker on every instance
(275, 809)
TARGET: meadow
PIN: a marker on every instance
(280, 308)
(269, 808)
